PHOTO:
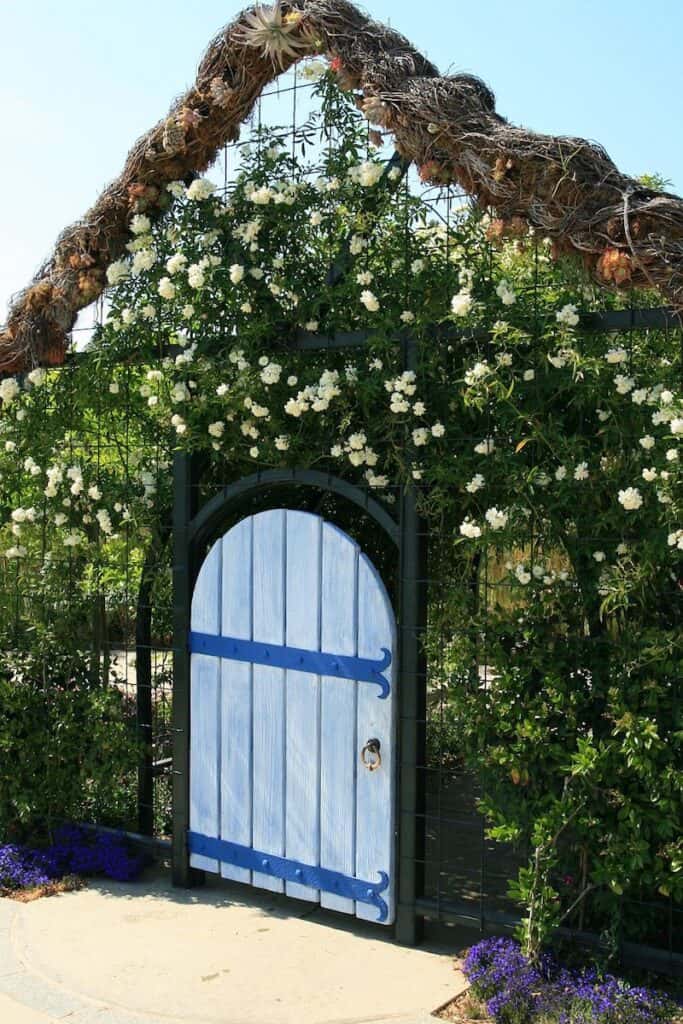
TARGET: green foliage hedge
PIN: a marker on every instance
(67, 746)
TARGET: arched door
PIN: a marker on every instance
(292, 769)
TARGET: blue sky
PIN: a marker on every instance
(81, 80)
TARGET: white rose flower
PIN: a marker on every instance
(37, 376)
(647, 442)
(438, 430)
(143, 260)
(461, 303)
(104, 521)
(201, 188)
(357, 441)
(195, 276)
(261, 196)
(650, 474)
(506, 294)
(485, 447)
(18, 551)
(271, 373)
(624, 384)
(581, 471)
(420, 436)
(140, 225)
(117, 272)
(236, 273)
(630, 498)
(369, 300)
(568, 315)
(616, 355)
(475, 484)
(166, 288)
(282, 442)
(676, 425)
(9, 389)
(176, 262)
(217, 429)
(496, 519)
(470, 529)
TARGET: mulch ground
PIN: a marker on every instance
(464, 1009)
(68, 884)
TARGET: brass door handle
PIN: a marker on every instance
(370, 756)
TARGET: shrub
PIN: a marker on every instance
(67, 746)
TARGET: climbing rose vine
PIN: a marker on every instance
(547, 456)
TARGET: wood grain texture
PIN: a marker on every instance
(205, 726)
(376, 790)
(275, 752)
(269, 718)
(304, 558)
(236, 704)
(338, 712)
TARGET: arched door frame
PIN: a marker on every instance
(194, 529)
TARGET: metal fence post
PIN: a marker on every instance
(184, 500)
(412, 617)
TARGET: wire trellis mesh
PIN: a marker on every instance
(119, 608)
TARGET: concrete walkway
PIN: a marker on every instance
(223, 954)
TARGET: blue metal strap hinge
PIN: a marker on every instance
(292, 870)
(319, 663)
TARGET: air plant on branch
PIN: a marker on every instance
(277, 35)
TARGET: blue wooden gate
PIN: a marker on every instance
(292, 774)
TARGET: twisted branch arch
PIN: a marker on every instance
(566, 188)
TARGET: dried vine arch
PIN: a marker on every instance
(567, 188)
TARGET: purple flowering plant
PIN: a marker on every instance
(73, 851)
(517, 991)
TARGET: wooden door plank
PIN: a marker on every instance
(268, 801)
(304, 540)
(376, 791)
(338, 712)
(205, 795)
(236, 704)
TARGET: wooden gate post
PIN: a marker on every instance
(185, 500)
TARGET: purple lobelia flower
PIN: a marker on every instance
(518, 992)
(74, 851)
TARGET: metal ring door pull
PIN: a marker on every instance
(370, 755)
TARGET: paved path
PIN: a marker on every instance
(223, 954)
